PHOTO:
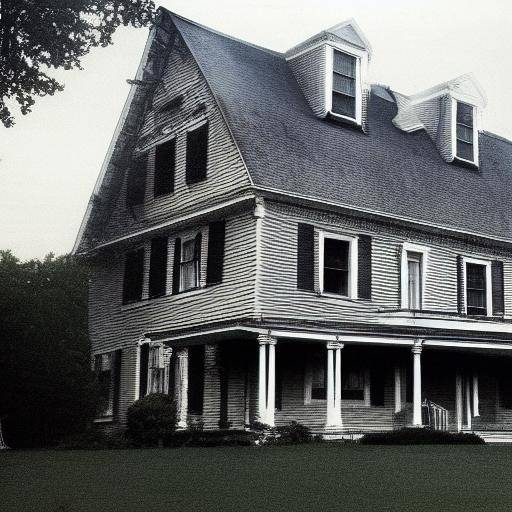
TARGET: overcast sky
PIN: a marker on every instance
(50, 160)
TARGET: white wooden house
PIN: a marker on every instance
(273, 238)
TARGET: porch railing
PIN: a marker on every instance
(434, 416)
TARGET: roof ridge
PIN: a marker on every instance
(222, 34)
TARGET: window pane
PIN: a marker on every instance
(414, 271)
(343, 105)
(188, 275)
(318, 388)
(336, 266)
(465, 133)
(344, 64)
(465, 150)
(476, 289)
(344, 84)
(464, 114)
(187, 252)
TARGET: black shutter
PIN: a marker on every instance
(176, 267)
(197, 256)
(165, 157)
(133, 274)
(136, 181)
(460, 285)
(306, 257)
(116, 369)
(197, 154)
(158, 267)
(143, 370)
(215, 263)
(498, 299)
(364, 275)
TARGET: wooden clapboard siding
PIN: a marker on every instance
(278, 296)
(226, 173)
(211, 396)
(309, 71)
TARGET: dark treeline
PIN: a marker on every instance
(47, 387)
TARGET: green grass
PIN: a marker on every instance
(317, 477)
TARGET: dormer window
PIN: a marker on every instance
(465, 133)
(344, 85)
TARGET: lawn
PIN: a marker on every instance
(321, 477)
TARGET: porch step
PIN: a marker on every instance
(493, 436)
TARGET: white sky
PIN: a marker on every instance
(50, 160)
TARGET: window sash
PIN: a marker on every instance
(476, 289)
(344, 84)
(414, 280)
(336, 266)
(106, 382)
(465, 132)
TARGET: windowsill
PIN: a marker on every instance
(465, 163)
(192, 184)
(451, 315)
(332, 295)
(344, 121)
(104, 419)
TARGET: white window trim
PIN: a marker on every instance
(198, 274)
(329, 55)
(488, 282)
(352, 264)
(404, 274)
(454, 132)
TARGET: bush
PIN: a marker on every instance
(420, 436)
(152, 420)
(294, 433)
(210, 438)
(95, 439)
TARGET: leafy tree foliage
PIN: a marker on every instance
(47, 387)
(36, 36)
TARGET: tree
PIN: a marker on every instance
(47, 386)
(36, 36)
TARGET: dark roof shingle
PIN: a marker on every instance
(387, 171)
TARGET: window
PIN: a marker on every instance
(465, 132)
(414, 278)
(197, 154)
(158, 267)
(107, 368)
(165, 157)
(190, 263)
(133, 273)
(344, 84)
(338, 265)
(136, 182)
(352, 385)
(476, 289)
(158, 368)
(315, 377)
(413, 275)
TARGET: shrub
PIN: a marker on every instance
(420, 436)
(294, 433)
(209, 438)
(152, 420)
(95, 439)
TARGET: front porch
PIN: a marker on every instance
(341, 389)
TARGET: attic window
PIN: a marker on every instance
(345, 94)
(465, 133)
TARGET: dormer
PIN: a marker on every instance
(449, 113)
(331, 69)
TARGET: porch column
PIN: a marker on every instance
(416, 415)
(458, 399)
(182, 387)
(398, 389)
(468, 402)
(334, 385)
(476, 401)
(266, 379)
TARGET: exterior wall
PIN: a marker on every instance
(115, 326)
(226, 173)
(278, 296)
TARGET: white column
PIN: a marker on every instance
(271, 384)
(458, 400)
(182, 387)
(416, 416)
(334, 385)
(398, 389)
(267, 379)
(476, 400)
(262, 382)
(468, 402)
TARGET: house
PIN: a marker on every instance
(273, 238)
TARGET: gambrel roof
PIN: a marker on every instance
(387, 171)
